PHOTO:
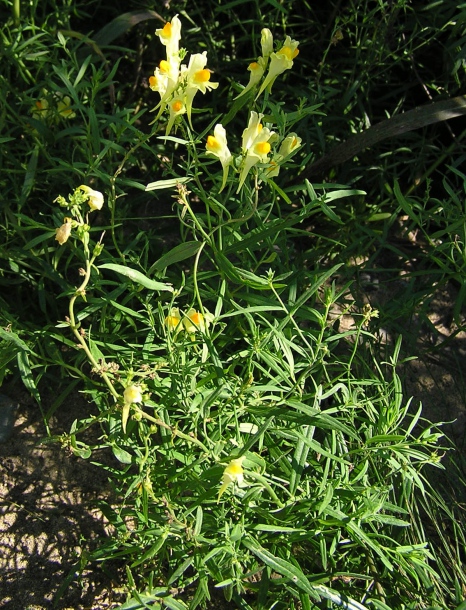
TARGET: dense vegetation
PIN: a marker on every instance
(236, 315)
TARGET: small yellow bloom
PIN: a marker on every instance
(173, 320)
(194, 321)
(217, 145)
(287, 149)
(64, 108)
(266, 43)
(95, 199)
(40, 109)
(279, 62)
(132, 394)
(257, 69)
(170, 36)
(256, 145)
(62, 233)
(196, 77)
(233, 473)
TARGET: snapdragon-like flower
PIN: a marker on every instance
(266, 43)
(63, 233)
(194, 321)
(217, 145)
(173, 320)
(197, 78)
(41, 109)
(95, 199)
(256, 69)
(64, 108)
(177, 107)
(131, 395)
(279, 62)
(233, 473)
(170, 36)
(256, 145)
(287, 149)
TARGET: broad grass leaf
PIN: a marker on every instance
(283, 567)
(138, 277)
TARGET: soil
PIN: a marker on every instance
(48, 497)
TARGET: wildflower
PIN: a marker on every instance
(266, 43)
(256, 145)
(178, 84)
(257, 69)
(279, 62)
(197, 78)
(287, 148)
(233, 473)
(95, 199)
(170, 36)
(131, 395)
(40, 109)
(217, 145)
(177, 107)
(64, 108)
(194, 320)
(62, 233)
(173, 320)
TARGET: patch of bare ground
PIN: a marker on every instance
(48, 515)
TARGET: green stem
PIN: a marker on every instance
(174, 431)
(16, 12)
(75, 327)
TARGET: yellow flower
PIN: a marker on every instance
(233, 473)
(132, 394)
(194, 321)
(287, 149)
(62, 233)
(95, 199)
(257, 69)
(197, 78)
(64, 108)
(170, 36)
(266, 43)
(279, 62)
(217, 145)
(173, 320)
(40, 109)
(177, 107)
(256, 145)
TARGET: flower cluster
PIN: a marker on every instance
(177, 83)
(83, 194)
(256, 147)
(190, 322)
(277, 62)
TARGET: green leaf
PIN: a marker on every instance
(12, 337)
(122, 24)
(166, 184)
(176, 254)
(26, 375)
(283, 567)
(122, 455)
(138, 277)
